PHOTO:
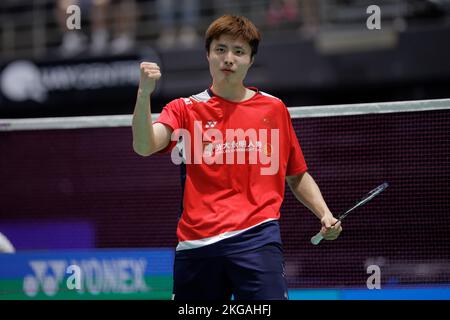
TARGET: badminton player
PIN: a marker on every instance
(228, 232)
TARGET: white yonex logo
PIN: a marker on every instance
(187, 101)
(22, 80)
(210, 124)
(47, 276)
(92, 275)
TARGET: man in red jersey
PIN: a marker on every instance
(239, 148)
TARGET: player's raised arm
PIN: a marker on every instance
(148, 138)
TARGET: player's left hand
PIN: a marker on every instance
(328, 231)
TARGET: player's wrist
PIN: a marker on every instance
(326, 215)
(144, 92)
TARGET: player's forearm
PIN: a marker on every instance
(143, 134)
(308, 193)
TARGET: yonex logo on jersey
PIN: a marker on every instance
(210, 124)
(238, 146)
(187, 101)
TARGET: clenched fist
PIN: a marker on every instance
(150, 73)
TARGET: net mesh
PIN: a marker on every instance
(404, 230)
(92, 175)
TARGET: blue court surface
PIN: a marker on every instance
(403, 293)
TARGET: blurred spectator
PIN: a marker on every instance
(125, 17)
(282, 11)
(255, 10)
(5, 245)
(310, 15)
(178, 20)
(294, 11)
(123, 13)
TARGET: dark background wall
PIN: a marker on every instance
(415, 68)
(342, 61)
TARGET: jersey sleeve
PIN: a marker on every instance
(172, 116)
(296, 161)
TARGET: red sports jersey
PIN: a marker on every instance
(230, 186)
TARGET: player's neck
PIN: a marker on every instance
(233, 93)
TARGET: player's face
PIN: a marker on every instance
(229, 59)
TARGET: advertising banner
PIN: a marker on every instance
(90, 274)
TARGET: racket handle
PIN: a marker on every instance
(316, 239)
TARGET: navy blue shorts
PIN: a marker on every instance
(256, 274)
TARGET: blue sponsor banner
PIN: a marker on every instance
(158, 261)
(87, 274)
